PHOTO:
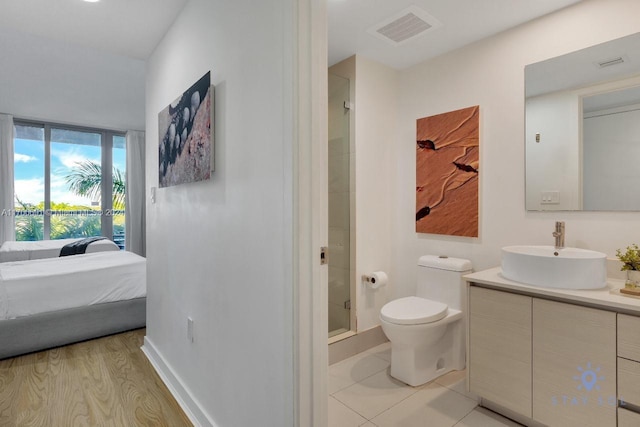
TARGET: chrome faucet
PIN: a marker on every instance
(559, 234)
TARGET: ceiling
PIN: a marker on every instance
(131, 28)
(69, 61)
(462, 22)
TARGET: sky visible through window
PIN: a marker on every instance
(29, 169)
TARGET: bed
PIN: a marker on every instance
(23, 251)
(50, 302)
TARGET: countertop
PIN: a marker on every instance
(605, 298)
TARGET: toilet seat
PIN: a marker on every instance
(413, 311)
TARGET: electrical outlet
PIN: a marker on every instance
(190, 329)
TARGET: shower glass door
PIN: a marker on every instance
(339, 207)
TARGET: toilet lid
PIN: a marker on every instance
(413, 311)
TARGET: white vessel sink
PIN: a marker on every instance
(548, 267)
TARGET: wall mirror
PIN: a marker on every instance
(582, 129)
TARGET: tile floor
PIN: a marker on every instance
(362, 393)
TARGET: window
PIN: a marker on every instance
(61, 188)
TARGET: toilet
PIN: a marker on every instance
(427, 330)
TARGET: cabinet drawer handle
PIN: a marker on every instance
(631, 407)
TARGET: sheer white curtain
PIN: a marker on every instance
(7, 229)
(135, 240)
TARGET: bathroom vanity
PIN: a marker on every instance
(554, 357)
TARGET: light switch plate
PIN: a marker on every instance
(550, 197)
(190, 329)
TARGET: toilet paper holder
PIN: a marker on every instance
(375, 279)
(368, 279)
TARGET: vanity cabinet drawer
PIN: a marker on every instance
(629, 337)
(567, 338)
(629, 381)
(500, 348)
(628, 418)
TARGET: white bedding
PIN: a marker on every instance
(51, 284)
(23, 251)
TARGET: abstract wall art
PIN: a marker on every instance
(447, 165)
(186, 136)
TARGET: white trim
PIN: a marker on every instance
(310, 213)
(191, 407)
(341, 336)
(610, 111)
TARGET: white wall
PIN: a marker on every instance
(220, 251)
(376, 108)
(490, 73)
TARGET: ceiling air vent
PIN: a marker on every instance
(611, 62)
(405, 26)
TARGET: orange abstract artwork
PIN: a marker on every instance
(447, 165)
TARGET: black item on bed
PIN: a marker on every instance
(79, 247)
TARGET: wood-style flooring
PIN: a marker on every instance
(102, 382)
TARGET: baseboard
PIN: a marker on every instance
(358, 343)
(180, 392)
(508, 413)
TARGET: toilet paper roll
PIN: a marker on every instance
(378, 278)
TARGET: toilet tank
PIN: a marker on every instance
(440, 279)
